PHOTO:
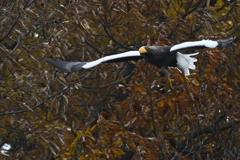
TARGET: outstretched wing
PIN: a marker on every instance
(203, 44)
(78, 66)
(67, 66)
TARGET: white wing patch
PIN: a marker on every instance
(205, 43)
(184, 62)
(112, 57)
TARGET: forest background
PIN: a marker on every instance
(117, 110)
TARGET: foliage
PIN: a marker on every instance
(116, 110)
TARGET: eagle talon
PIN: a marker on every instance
(169, 83)
(186, 79)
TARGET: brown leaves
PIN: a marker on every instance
(117, 152)
(161, 103)
(137, 115)
(168, 135)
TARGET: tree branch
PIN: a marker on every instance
(206, 130)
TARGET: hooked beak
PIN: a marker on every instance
(142, 50)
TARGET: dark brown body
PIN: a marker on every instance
(160, 56)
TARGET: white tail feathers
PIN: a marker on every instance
(184, 62)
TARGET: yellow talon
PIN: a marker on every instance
(185, 79)
(169, 82)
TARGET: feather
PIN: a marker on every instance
(185, 61)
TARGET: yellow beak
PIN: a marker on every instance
(142, 50)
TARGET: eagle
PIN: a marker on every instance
(161, 56)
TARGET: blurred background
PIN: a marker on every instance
(117, 110)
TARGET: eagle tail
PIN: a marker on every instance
(185, 61)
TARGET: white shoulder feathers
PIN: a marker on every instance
(202, 43)
(112, 57)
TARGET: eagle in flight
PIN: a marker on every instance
(161, 56)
